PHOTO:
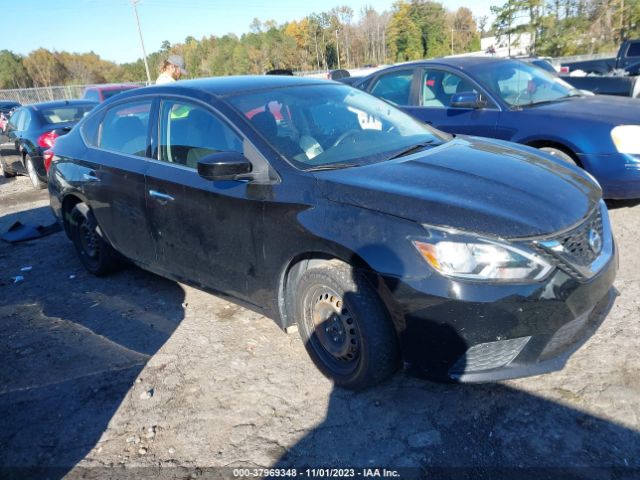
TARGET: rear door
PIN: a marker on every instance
(204, 232)
(113, 177)
(10, 140)
(436, 89)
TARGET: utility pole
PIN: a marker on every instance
(134, 3)
(337, 49)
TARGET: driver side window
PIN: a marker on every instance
(439, 87)
(189, 133)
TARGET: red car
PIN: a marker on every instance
(99, 93)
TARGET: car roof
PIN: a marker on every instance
(114, 86)
(59, 103)
(457, 62)
(222, 86)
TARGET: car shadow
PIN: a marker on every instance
(71, 347)
(615, 204)
(426, 429)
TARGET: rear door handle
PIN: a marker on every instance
(161, 197)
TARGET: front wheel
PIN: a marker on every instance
(33, 175)
(345, 326)
(559, 154)
(96, 255)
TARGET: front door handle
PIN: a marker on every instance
(163, 198)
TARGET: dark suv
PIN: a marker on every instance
(326, 208)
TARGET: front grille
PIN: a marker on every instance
(575, 244)
(572, 251)
(486, 356)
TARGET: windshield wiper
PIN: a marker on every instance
(533, 104)
(413, 148)
(331, 166)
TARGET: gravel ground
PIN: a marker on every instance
(134, 370)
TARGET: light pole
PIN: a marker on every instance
(134, 3)
(337, 49)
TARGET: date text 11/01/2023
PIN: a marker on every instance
(315, 472)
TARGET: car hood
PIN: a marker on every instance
(603, 108)
(470, 184)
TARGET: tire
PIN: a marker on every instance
(345, 326)
(559, 154)
(3, 170)
(96, 255)
(33, 174)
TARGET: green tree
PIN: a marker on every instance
(12, 71)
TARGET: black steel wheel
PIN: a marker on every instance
(96, 255)
(345, 326)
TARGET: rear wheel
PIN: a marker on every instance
(561, 155)
(33, 174)
(3, 170)
(345, 326)
(97, 256)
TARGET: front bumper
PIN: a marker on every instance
(617, 173)
(471, 332)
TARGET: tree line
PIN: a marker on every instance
(569, 27)
(338, 38)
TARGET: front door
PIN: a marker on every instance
(433, 106)
(205, 232)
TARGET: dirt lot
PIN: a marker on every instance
(134, 370)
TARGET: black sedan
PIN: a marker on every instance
(30, 134)
(323, 207)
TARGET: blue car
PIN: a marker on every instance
(519, 102)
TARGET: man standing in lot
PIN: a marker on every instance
(172, 70)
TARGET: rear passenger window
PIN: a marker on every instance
(124, 128)
(189, 133)
(394, 87)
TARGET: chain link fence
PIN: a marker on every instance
(44, 94)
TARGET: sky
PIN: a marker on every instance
(107, 27)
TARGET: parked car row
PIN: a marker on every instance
(28, 133)
(382, 238)
(518, 102)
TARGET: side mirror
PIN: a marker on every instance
(224, 166)
(468, 100)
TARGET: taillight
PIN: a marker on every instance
(47, 156)
(46, 140)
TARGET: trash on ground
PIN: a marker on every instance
(17, 279)
(26, 269)
(19, 232)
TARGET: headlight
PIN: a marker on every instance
(472, 258)
(626, 138)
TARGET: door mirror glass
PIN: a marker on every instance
(224, 166)
(467, 100)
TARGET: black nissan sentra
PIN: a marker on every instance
(321, 206)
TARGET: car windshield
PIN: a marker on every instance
(65, 114)
(332, 126)
(521, 84)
